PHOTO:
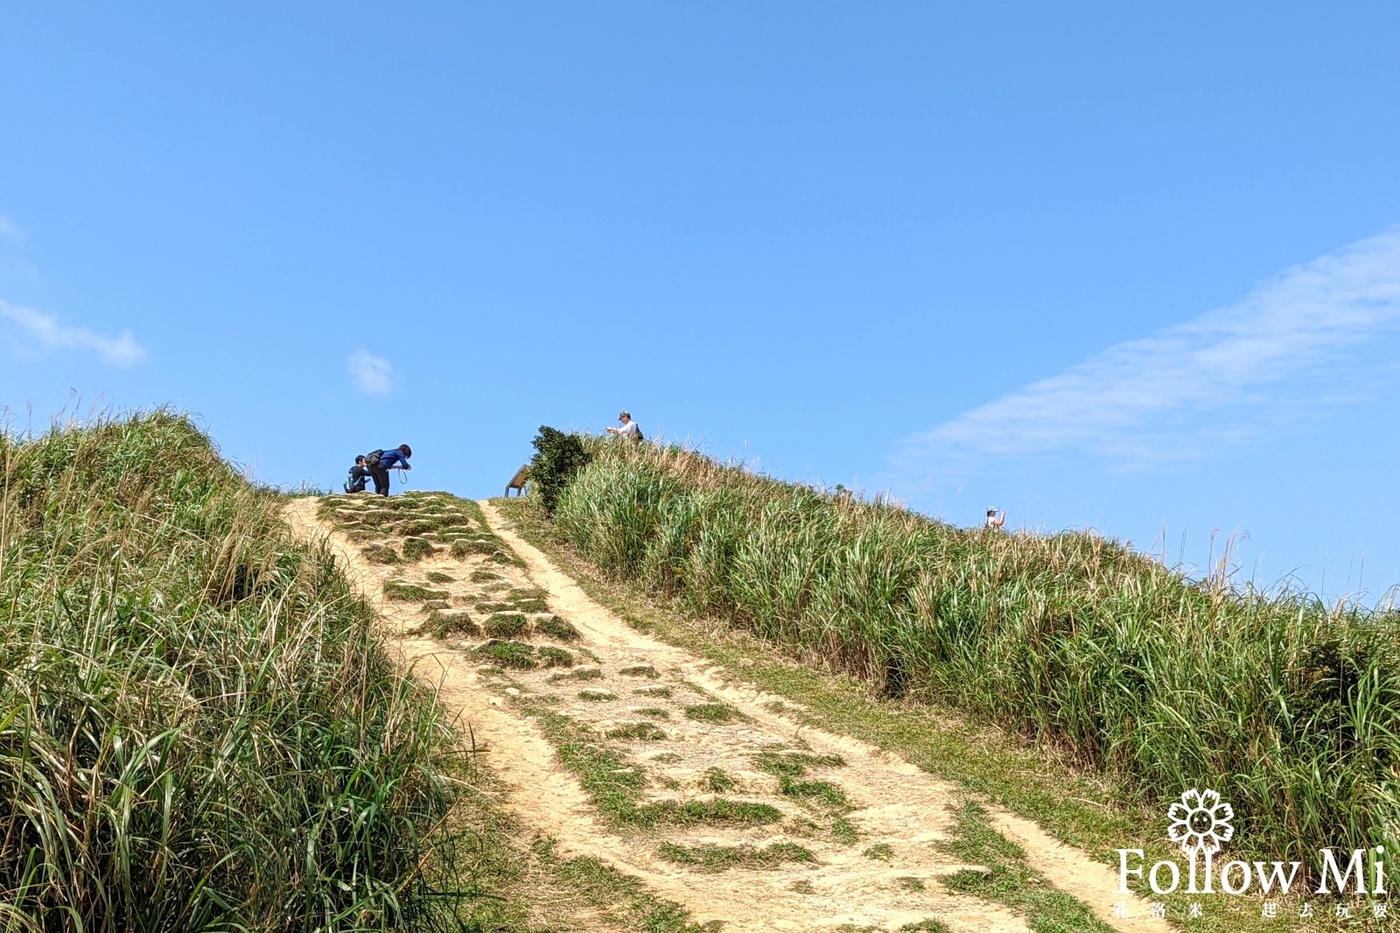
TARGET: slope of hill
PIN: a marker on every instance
(1289, 707)
(197, 729)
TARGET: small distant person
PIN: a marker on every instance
(994, 520)
(359, 475)
(629, 428)
(380, 462)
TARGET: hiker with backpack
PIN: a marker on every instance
(629, 429)
(358, 476)
(380, 462)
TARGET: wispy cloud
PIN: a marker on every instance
(10, 230)
(45, 332)
(1163, 396)
(373, 374)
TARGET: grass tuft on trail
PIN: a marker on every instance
(445, 623)
(636, 731)
(717, 782)
(557, 628)
(508, 654)
(718, 713)
(578, 673)
(795, 764)
(604, 888)
(882, 852)
(506, 625)
(717, 858)
(615, 783)
(550, 656)
(411, 592)
(1009, 879)
(381, 554)
(463, 548)
(417, 549)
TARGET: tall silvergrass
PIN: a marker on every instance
(1287, 706)
(197, 730)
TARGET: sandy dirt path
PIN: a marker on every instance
(897, 812)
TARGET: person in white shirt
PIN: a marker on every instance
(629, 428)
(995, 521)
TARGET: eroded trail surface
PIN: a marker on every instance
(630, 750)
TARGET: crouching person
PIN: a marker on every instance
(380, 462)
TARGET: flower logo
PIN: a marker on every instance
(1200, 822)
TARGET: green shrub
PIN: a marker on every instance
(558, 456)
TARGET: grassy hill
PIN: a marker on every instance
(1287, 706)
(197, 730)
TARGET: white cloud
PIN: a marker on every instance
(45, 330)
(1174, 394)
(10, 230)
(373, 374)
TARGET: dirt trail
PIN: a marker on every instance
(870, 821)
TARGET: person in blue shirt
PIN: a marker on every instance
(379, 467)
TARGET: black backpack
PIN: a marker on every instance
(372, 458)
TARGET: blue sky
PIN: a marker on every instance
(1129, 269)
